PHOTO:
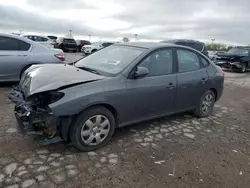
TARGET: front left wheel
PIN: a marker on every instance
(92, 129)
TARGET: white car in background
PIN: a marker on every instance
(41, 39)
(46, 41)
(88, 49)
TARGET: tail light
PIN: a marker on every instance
(222, 73)
(60, 56)
(52, 43)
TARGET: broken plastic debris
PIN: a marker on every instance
(235, 151)
(159, 162)
(173, 172)
(240, 173)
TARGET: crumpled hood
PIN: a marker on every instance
(40, 78)
(228, 56)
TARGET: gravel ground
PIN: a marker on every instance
(71, 57)
(176, 151)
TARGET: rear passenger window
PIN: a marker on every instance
(188, 61)
(9, 44)
(204, 62)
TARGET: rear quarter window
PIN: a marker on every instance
(23, 46)
(204, 62)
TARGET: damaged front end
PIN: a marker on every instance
(33, 113)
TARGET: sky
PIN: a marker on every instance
(226, 21)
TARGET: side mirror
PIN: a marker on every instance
(141, 72)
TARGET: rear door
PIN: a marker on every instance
(192, 79)
(13, 55)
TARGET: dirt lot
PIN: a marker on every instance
(177, 151)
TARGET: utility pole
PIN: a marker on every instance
(20, 31)
(89, 37)
(213, 43)
(70, 33)
(136, 37)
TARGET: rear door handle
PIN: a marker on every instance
(170, 86)
(22, 55)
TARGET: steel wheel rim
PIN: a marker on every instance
(207, 103)
(95, 130)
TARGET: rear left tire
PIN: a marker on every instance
(206, 104)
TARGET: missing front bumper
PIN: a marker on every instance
(32, 119)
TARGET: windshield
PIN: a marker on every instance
(239, 51)
(111, 60)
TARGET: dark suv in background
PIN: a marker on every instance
(197, 45)
(81, 43)
(66, 44)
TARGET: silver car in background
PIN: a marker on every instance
(18, 53)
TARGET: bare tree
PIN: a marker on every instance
(125, 39)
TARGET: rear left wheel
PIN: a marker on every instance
(92, 129)
(206, 104)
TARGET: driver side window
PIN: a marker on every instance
(159, 63)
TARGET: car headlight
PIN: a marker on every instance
(235, 62)
(50, 97)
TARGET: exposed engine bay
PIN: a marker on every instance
(33, 114)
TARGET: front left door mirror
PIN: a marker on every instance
(141, 72)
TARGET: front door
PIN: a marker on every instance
(153, 95)
(13, 55)
(192, 79)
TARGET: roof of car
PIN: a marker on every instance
(145, 44)
(182, 40)
(17, 37)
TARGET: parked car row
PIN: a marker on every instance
(18, 53)
(88, 49)
(214, 54)
(237, 59)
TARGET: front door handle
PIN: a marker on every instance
(203, 80)
(22, 55)
(170, 86)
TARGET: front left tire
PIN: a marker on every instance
(92, 129)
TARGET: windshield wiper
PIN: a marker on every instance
(89, 70)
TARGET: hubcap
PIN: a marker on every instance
(207, 103)
(95, 130)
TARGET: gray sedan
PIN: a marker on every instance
(18, 53)
(119, 85)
